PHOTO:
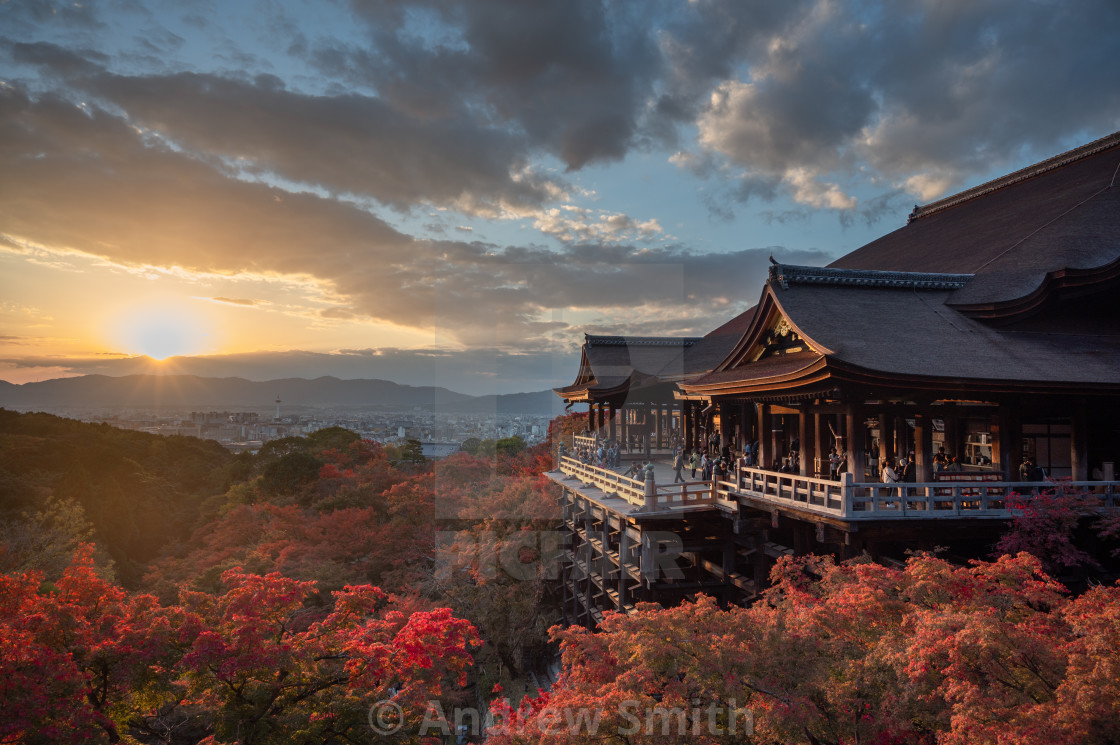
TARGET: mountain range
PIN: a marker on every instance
(182, 392)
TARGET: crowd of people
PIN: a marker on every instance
(711, 461)
(602, 454)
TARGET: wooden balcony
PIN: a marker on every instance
(665, 498)
(852, 501)
(841, 500)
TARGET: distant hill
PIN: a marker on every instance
(197, 393)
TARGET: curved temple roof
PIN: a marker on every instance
(1036, 252)
(1053, 219)
(883, 326)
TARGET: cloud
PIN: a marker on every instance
(927, 96)
(235, 166)
(246, 302)
(808, 190)
(578, 225)
(455, 104)
(99, 187)
(571, 74)
(349, 144)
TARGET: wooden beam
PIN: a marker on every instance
(856, 441)
(922, 470)
(805, 441)
(1079, 442)
(765, 456)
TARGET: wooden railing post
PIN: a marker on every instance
(651, 491)
(847, 493)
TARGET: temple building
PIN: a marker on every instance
(629, 384)
(983, 333)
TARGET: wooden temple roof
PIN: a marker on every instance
(612, 364)
(884, 328)
(1054, 224)
(1005, 286)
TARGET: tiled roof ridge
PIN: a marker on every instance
(1062, 159)
(646, 341)
(787, 274)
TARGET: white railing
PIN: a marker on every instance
(633, 491)
(606, 480)
(843, 499)
(805, 492)
(876, 501)
(950, 499)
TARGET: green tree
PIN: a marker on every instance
(290, 472)
(338, 438)
(509, 445)
(407, 452)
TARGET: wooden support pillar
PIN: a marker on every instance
(1079, 443)
(721, 438)
(1013, 424)
(666, 424)
(697, 425)
(901, 437)
(590, 416)
(805, 437)
(774, 436)
(1004, 453)
(647, 430)
(728, 563)
(656, 411)
(953, 435)
(856, 442)
(611, 412)
(922, 466)
(765, 448)
(623, 556)
(821, 443)
(686, 425)
(746, 425)
(886, 437)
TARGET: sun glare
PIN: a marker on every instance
(160, 334)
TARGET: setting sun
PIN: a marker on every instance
(161, 333)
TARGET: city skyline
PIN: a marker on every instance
(451, 194)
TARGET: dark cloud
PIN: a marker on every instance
(928, 94)
(26, 15)
(344, 144)
(67, 63)
(98, 186)
(966, 86)
(710, 41)
(799, 95)
(572, 75)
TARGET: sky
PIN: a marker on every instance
(453, 193)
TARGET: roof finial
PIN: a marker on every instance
(777, 274)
